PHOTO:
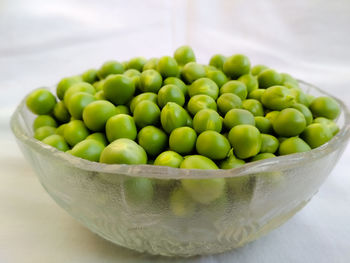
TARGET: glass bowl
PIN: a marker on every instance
(259, 196)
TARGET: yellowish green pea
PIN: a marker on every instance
(254, 106)
(183, 140)
(88, 149)
(236, 117)
(75, 131)
(120, 126)
(325, 107)
(235, 87)
(207, 119)
(268, 78)
(200, 102)
(143, 96)
(118, 89)
(277, 98)
(77, 103)
(204, 86)
(136, 63)
(56, 141)
(269, 143)
(263, 124)
(60, 112)
(192, 71)
(41, 101)
(146, 113)
(289, 122)
(151, 64)
(169, 158)
(262, 156)
(228, 101)
(65, 84)
(170, 93)
(257, 69)
(96, 114)
(150, 81)
(184, 55)
(153, 140)
(110, 68)
(98, 136)
(316, 134)
(173, 116)
(213, 145)
(43, 132)
(293, 145)
(90, 76)
(44, 120)
(236, 66)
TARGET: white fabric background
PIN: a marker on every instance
(41, 41)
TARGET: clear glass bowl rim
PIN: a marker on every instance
(163, 172)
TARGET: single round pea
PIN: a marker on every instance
(169, 158)
(182, 140)
(170, 93)
(289, 122)
(236, 117)
(109, 68)
(88, 149)
(217, 61)
(204, 86)
(60, 129)
(213, 145)
(75, 132)
(99, 95)
(287, 78)
(192, 71)
(269, 78)
(200, 102)
(316, 134)
(262, 156)
(263, 124)
(98, 85)
(250, 82)
(146, 113)
(60, 112)
(135, 76)
(150, 81)
(120, 126)
(118, 89)
(228, 101)
(218, 77)
(325, 107)
(207, 119)
(123, 151)
(153, 140)
(167, 67)
(152, 63)
(41, 102)
(184, 55)
(245, 140)
(198, 162)
(65, 84)
(272, 116)
(269, 143)
(329, 123)
(254, 106)
(98, 136)
(178, 82)
(257, 69)
(305, 111)
(43, 132)
(293, 145)
(79, 87)
(231, 161)
(138, 192)
(299, 95)
(96, 114)
(44, 120)
(143, 96)
(235, 87)
(181, 203)
(122, 109)
(56, 141)
(78, 102)
(90, 76)
(236, 66)
(136, 63)
(256, 94)
(173, 116)
(277, 98)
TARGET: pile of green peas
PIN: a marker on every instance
(172, 111)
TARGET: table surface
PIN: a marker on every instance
(42, 42)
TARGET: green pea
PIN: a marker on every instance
(268, 78)
(98, 136)
(136, 63)
(182, 140)
(256, 94)
(138, 192)
(56, 141)
(150, 81)
(198, 162)
(299, 95)
(60, 129)
(122, 109)
(250, 82)
(192, 71)
(235, 87)
(65, 84)
(96, 114)
(152, 63)
(75, 131)
(178, 82)
(146, 113)
(236, 66)
(325, 107)
(204, 86)
(329, 123)
(181, 203)
(254, 106)
(257, 69)
(288, 79)
(236, 117)
(262, 156)
(289, 122)
(272, 116)
(77, 103)
(217, 61)
(123, 151)
(207, 119)
(120, 126)
(200, 102)
(119, 89)
(43, 132)
(305, 111)
(170, 93)
(277, 98)
(99, 95)
(135, 76)
(98, 85)
(167, 67)
(153, 140)
(269, 143)
(245, 140)
(44, 120)
(316, 134)
(293, 145)
(143, 96)
(79, 87)
(228, 101)
(231, 161)
(218, 77)
(41, 102)
(173, 116)
(60, 112)
(88, 149)
(90, 76)
(263, 124)
(169, 158)
(184, 55)
(109, 68)
(213, 145)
